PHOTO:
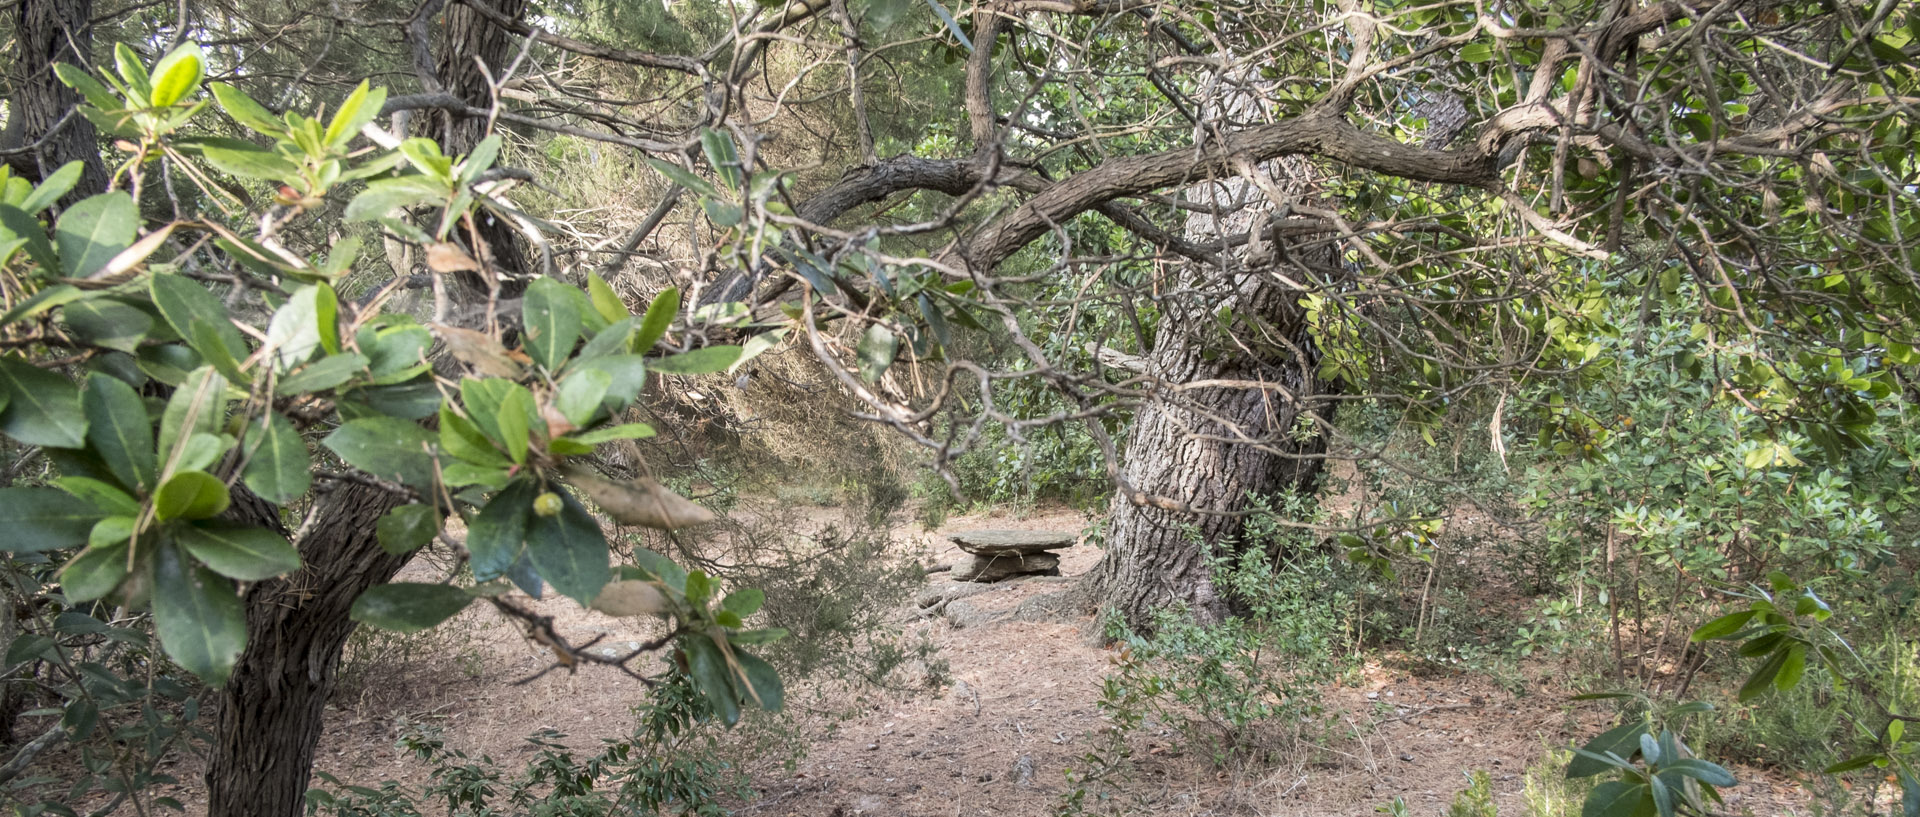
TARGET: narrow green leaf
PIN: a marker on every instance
(605, 300)
(628, 431)
(658, 320)
(198, 616)
(1708, 773)
(406, 607)
(246, 111)
(459, 437)
(238, 551)
(706, 360)
(52, 188)
(579, 395)
(358, 109)
(515, 420)
(1722, 627)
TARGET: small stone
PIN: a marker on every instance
(1407, 758)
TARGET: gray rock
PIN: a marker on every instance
(992, 568)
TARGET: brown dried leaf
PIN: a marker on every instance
(445, 257)
(478, 350)
(642, 502)
(557, 423)
(631, 597)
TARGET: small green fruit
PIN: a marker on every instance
(547, 504)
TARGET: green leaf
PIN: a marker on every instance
(1708, 773)
(177, 75)
(613, 339)
(628, 375)
(552, 320)
(515, 421)
(681, 176)
(198, 616)
(484, 400)
(329, 372)
(658, 320)
(406, 607)
(198, 406)
(876, 351)
(460, 438)
(94, 574)
(358, 109)
(1476, 53)
(1791, 668)
(1620, 740)
(119, 430)
(93, 231)
(387, 447)
(1761, 678)
(628, 431)
(1722, 627)
(42, 408)
(462, 474)
(744, 602)
(184, 301)
(33, 520)
(708, 669)
(383, 196)
(407, 528)
(110, 500)
(191, 495)
(1615, 798)
(45, 299)
(579, 395)
(1855, 762)
(294, 333)
(16, 224)
(252, 163)
(569, 550)
(278, 466)
(50, 190)
(751, 638)
(498, 531)
(718, 146)
(756, 346)
(246, 111)
(605, 300)
(107, 323)
(238, 551)
(708, 360)
(761, 681)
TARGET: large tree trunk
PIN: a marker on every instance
(471, 37)
(48, 32)
(270, 713)
(1199, 452)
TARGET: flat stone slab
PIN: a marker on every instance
(992, 542)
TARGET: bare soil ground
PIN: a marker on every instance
(1020, 711)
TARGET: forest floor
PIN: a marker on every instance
(1020, 710)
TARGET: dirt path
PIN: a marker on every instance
(1021, 710)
